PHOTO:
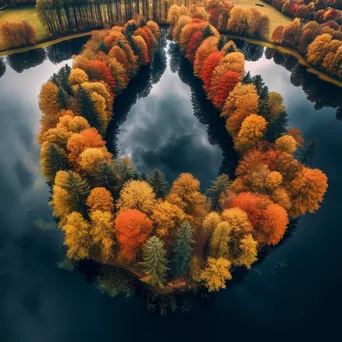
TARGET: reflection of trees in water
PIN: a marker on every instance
(26, 60)
(252, 52)
(139, 87)
(322, 94)
(60, 52)
(205, 111)
(2, 67)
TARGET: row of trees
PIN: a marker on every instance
(271, 185)
(321, 44)
(308, 9)
(65, 16)
(17, 34)
(175, 237)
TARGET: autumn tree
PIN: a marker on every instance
(219, 240)
(18, 33)
(307, 191)
(216, 273)
(286, 143)
(102, 232)
(182, 250)
(166, 218)
(132, 228)
(251, 132)
(207, 47)
(77, 236)
(269, 220)
(100, 199)
(211, 221)
(209, 65)
(137, 195)
(154, 262)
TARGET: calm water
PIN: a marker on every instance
(163, 121)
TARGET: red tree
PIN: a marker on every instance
(209, 66)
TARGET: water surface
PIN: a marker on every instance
(163, 121)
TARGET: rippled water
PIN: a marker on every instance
(163, 121)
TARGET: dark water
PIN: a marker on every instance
(163, 121)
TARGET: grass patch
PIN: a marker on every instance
(27, 14)
(276, 17)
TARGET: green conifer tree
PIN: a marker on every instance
(63, 99)
(54, 160)
(157, 180)
(182, 250)
(218, 186)
(276, 127)
(87, 110)
(78, 189)
(105, 175)
(154, 261)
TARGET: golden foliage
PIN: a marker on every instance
(77, 236)
(137, 195)
(211, 221)
(219, 240)
(166, 218)
(251, 132)
(100, 199)
(77, 76)
(216, 273)
(286, 143)
(92, 156)
(102, 232)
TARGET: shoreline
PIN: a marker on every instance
(265, 43)
(43, 44)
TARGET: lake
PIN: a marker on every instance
(163, 121)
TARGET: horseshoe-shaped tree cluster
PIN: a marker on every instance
(178, 238)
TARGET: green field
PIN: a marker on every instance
(276, 17)
(24, 13)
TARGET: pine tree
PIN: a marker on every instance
(221, 42)
(63, 75)
(78, 190)
(104, 48)
(157, 180)
(105, 175)
(154, 264)
(88, 111)
(63, 100)
(207, 32)
(276, 127)
(53, 159)
(126, 170)
(218, 187)
(182, 250)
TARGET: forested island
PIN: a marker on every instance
(172, 239)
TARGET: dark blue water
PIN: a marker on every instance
(163, 121)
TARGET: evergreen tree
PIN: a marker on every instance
(53, 159)
(207, 32)
(126, 170)
(63, 100)
(88, 111)
(218, 187)
(78, 190)
(182, 250)
(105, 175)
(154, 264)
(247, 79)
(221, 42)
(157, 180)
(103, 47)
(277, 127)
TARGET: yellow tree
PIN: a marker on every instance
(275, 104)
(219, 240)
(136, 195)
(286, 143)
(211, 221)
(77, 236)
(248, 247)
(92, 156)
(102, 232)
(251, 132)
(216, 273)
(207, 47)
(166, 217)
(77, 76)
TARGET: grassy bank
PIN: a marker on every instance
(276, 18)
(23, 13)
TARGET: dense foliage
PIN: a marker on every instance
(17, 34)
(320, 43)
(170, 238)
